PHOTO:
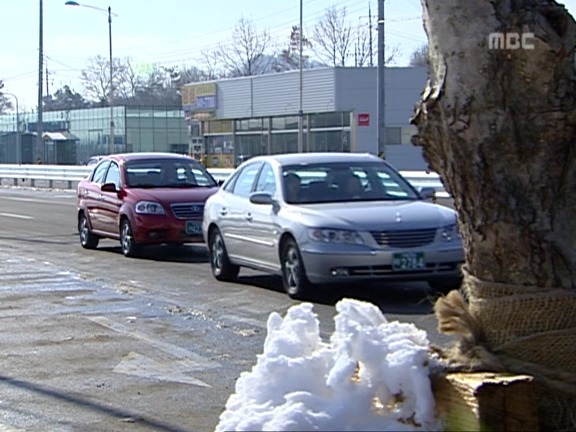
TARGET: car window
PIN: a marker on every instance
(245, 181)
(266, 181)
(201, 176)
(341, 182)
(100, 172)
(167, 173)
(113, 175)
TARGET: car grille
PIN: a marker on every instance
(188, 210)
(404, 239)
(387, 270)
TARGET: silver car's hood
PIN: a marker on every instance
(376, 215)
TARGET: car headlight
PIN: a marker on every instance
(335, 236)
(450, 233)
(149, 207)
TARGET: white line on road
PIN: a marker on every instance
(37, 201)
(16, 216)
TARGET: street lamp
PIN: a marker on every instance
(18, 135)
(111, 84)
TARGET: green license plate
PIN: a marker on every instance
(193, 227)
(408, 261)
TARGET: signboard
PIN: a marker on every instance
(364, 119)
(198, 98)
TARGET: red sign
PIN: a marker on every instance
(364, 119)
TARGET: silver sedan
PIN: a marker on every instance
(323, 218)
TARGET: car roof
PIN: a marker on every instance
(320, 157)
(147, 155)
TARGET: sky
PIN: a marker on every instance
(173, 32)
(301, 382)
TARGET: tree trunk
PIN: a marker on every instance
(499, 126)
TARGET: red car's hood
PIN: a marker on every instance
(172, 195)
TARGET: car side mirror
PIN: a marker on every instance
(428, 193)
(220, 182)
(108, 187)
(263, 198)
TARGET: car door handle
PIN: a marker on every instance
(223, 212)
(248, 217)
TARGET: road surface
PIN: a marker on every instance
(94, 341)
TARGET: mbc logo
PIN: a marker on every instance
(510, 41)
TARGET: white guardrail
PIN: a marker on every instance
(66, 176)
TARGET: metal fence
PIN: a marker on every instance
(67, 176)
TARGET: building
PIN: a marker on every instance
(231, 120)
(71, 137)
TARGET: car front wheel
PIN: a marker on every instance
(222, 268)
(294, 278)
(87, 239)
(127, 243)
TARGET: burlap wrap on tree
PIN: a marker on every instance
(517, 329)
(528, 323)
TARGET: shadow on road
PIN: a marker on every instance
(54, 239)
(414, 298)
(195, 254)
(102, 408)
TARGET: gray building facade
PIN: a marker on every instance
(234, 119)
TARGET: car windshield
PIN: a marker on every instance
(167, 173)
(341, 182)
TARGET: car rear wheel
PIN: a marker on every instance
(87, 239)
(127, 243)
(294, 279)
(222, 268)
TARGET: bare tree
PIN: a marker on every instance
(391, 54)
(96, 78)
(332, 37)
(289, 57)
(364, 47)
(247, 53)
(419, 56)
(129, 80)
(181, 75)
(498, 123)
(211, 64)
(5, 102)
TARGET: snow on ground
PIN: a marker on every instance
(371, 376)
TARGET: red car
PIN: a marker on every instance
(144, 199)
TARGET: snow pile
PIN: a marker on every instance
(372, 376)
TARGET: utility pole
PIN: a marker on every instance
(381, 84)
(39, 123)
(301, 108)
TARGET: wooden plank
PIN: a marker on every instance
(486, 401)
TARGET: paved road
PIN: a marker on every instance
(94, 341)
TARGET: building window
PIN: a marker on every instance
(218, 126)
(248, 146)
(286, 123)
(284, 143)
(329, 141)
(249, 125)
(328, 120)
